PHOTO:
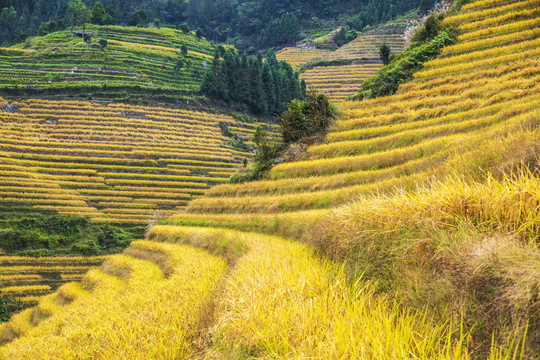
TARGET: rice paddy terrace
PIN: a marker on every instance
(488, 81)
(112, 162)
(135, 61)
(298, 56)
(473, 109)
(109, 162)
(24, 280)
(340, 81)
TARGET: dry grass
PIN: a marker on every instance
(280, 301)
(148, 316)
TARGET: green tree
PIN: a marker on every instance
(8, 17)
(87, 40)
(306, 118)
(110, 15)
(198, 33)
(21, 37)
(98, 13)
(425, 6)
(4, 311)
(384, 53)
(184, 49)
(78, 14)
(178, 67)
(137, 18)
(47, 28)
(103, 44)
(184, 27)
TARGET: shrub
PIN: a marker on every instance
(306, 118)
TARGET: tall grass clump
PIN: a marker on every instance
(462, 248)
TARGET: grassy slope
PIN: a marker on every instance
(427, 213)
(116, 163)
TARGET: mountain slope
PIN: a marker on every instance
(430, 256)
(135, 60)
(112, 162)
(400, 186)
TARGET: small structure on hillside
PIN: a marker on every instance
(82, 34)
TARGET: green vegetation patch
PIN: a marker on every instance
(46, 235)
(428, 41)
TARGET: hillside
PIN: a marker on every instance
(24, 280)
(339, 72)
(410, 232)
(112, 162)
(74, 151)
(415, 167)
(138, 61)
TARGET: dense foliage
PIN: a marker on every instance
(45, 235)
(302, 119)
(247, 23)
(262, 87)
(306, 118)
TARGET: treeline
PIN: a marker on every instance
(247, 23)
(22, 18)
(262, 87)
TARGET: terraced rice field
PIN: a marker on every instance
(390, 167)
(134, 59)
(111, 162)
(339, 82)
(300, 56)
(366, 47)
(161, 290)
(489, 81)
(23, 280)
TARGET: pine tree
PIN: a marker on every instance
(269, 88)
(110, 16)
(257, 99)
(384, 53)
(98, 13)
(78, 13)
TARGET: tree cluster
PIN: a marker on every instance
(303, 118)
(376, 11)
(282, 31)
(262, 87)
(306, 118)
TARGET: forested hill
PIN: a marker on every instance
(249, 24)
